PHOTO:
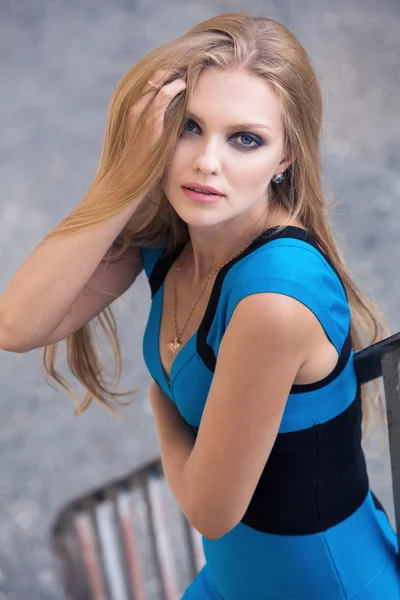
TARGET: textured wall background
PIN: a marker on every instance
(60, 62)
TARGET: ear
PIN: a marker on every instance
(285, 163)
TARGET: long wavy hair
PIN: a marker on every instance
(233, 40)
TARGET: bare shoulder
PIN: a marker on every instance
(275, 321)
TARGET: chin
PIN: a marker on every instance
(198, 215)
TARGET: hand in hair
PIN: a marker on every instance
(157, 101)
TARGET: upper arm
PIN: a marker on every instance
(260, 354)
(108, 282)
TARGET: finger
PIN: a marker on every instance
(159, 78)
(168, 91)
(164, 78)
(164, 98)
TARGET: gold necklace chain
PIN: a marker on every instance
(176, 344)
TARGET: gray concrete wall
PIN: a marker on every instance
(60, 62)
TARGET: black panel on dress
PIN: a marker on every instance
(314, 478)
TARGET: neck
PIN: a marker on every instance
(209, 250)
(200, 263)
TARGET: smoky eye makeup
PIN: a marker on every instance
(252, 137)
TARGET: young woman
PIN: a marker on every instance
(210, 179)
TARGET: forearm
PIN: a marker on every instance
(176, 444)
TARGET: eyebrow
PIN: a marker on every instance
(191, 115)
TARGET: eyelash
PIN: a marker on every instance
(254, 138)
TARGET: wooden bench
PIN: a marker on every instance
(129, 540)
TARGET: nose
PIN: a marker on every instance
(207, 159)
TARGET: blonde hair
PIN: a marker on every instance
(234, 40)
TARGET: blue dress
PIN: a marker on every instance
(314, 529)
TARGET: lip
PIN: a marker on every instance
(202, 198)
(206, 188)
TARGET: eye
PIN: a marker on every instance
(187, 122)
(249, 136)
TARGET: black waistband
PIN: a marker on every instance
(314, 478)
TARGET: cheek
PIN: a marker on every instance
(167, 180)
(176, 167)
(255, 172)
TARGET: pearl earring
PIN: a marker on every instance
(278, 178)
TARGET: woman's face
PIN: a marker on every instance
(217, 148)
